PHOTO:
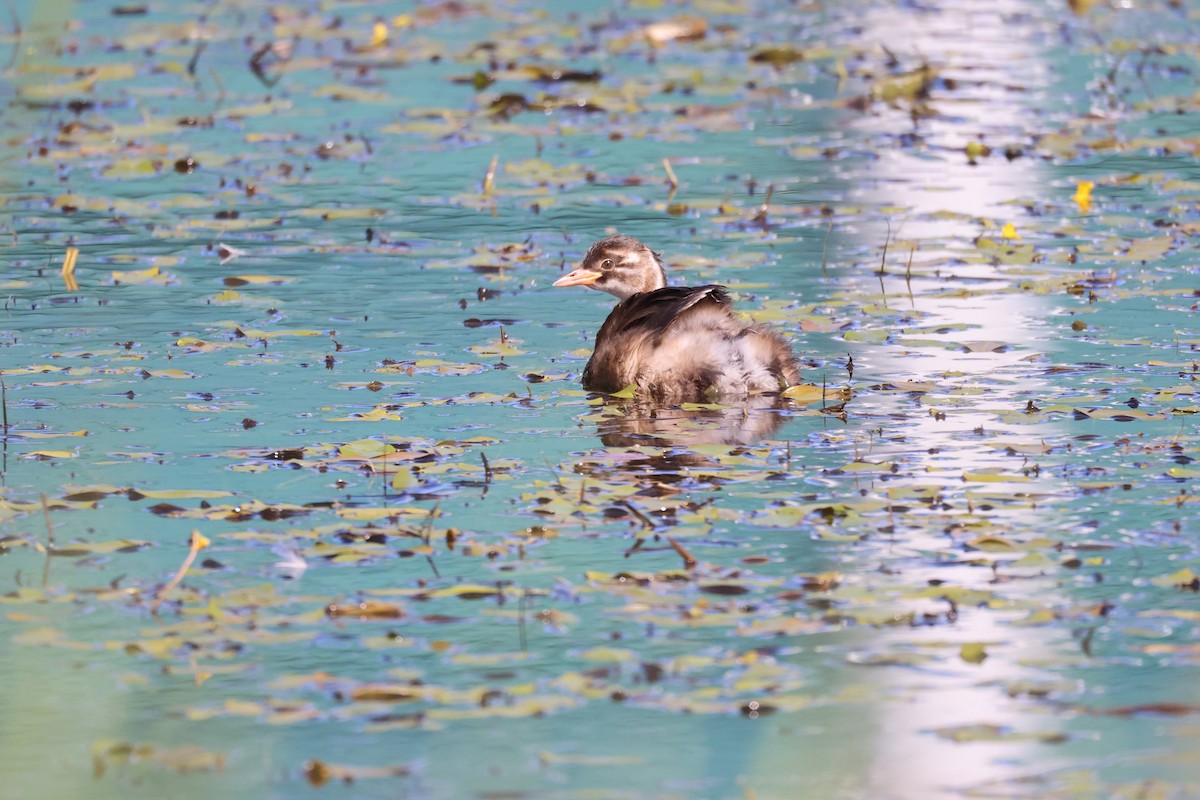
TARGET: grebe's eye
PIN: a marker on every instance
(606, 264)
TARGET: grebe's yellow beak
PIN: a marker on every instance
(579, 277)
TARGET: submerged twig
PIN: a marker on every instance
(259, 67)
(883, 262)
(640, 516)
(49, 540)
(825, 248)
(216, 78)
(49, 527)
(427, 528)
(487, 469)
(521, 618)
(197, 543)
(489, 179)
(760, 217)
(637, 545)
(562, 487)
(191, 65)
(199, 675)
(688, 561)
(4, 439)
(671, 179)
(16, 51)
(908, 276)
(68, 269)
(382, 472)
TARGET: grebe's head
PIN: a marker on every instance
(619, 265)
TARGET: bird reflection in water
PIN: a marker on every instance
(744, 423)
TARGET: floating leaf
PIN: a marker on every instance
(973, 653)
(48, 454)
(983, 732)
(1182, 579)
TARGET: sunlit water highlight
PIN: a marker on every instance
(964, 573)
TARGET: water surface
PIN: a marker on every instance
(328, 344)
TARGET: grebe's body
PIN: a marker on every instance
(674, 343)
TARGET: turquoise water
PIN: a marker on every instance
(965, 572)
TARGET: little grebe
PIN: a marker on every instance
(675, 343)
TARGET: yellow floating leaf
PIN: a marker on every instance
(356, 94)
(363, 449)
(378, 414)
(905, 86)
(290, 716)
(254, 333)
(113, 72)
(466, 591)
(984, 732)
(132, 168)
(51, 454)
(71, 382)
(195, 345)
(474, 440)
(370, 514)
(254, 137)
(1083, 195)
(135, 276)
(388, 693)
(1043, 616)
(343, 213)
(365, 609)
(180, 494)
(1183, 579)
(995, 476)
(40, 636)
(243, 708)
(984, 347)
(379, 35)
(404, 479)
(57, 91)
(74, 549)
(1183, 472)
(611, 654)
(496, 349)
(627, 393)
(268, 108)
(977, 150)
(973, 653)
(868, 336)
(992, 544)
(804, 393)
(189, 758)
(173, 374)
(1033, 560)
